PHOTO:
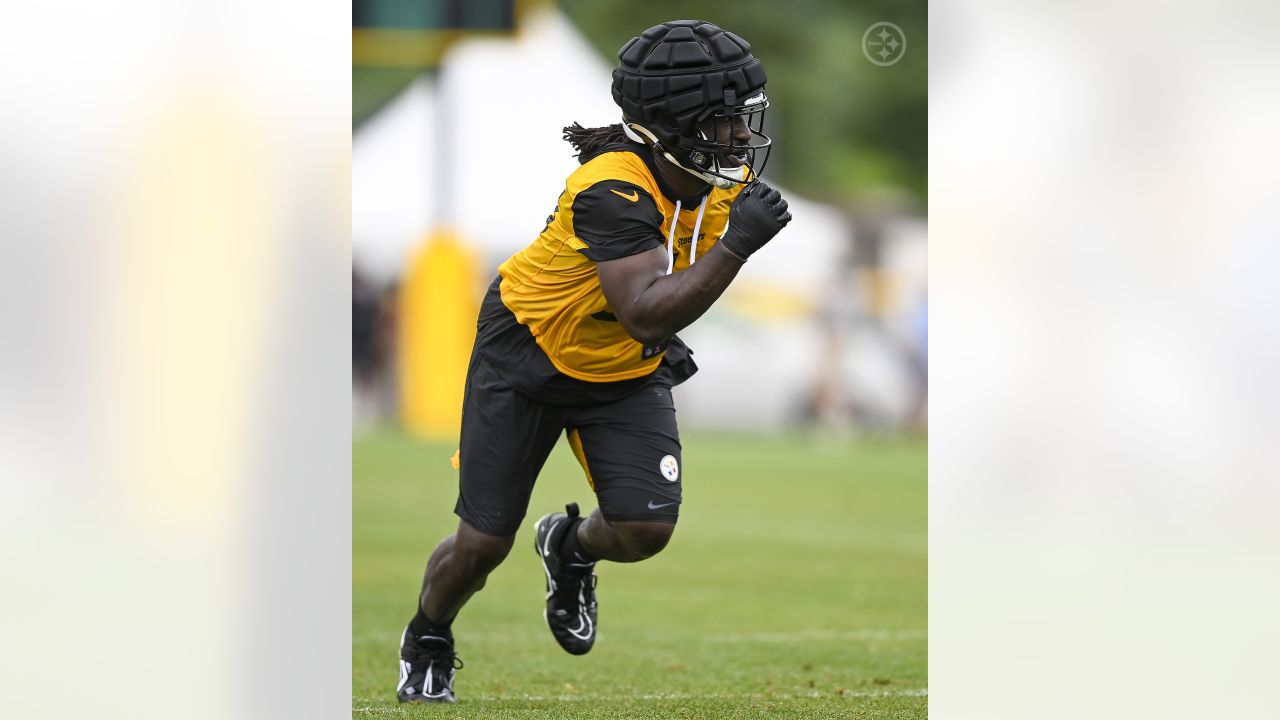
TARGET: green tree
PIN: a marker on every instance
(843, 126)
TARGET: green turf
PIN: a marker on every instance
(795, 586)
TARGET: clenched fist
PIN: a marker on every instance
(757, 214)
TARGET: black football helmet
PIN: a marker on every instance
(686, 88)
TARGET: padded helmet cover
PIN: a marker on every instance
(678, 73)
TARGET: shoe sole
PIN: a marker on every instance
(430, 701)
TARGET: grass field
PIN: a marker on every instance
(795, 586)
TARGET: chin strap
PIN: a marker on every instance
(633, 132)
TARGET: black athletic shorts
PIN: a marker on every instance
(628, 446)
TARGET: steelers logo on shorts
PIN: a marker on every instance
(670, 468)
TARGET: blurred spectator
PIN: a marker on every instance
(870, 368)
(373, 324)
(920, 336)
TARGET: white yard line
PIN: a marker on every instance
(805, 635)
(913, 692)
(821, 634)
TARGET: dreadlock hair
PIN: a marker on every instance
(589, 142)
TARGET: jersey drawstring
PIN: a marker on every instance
(697, 224)
(671, 237)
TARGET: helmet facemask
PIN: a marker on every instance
(710, 150)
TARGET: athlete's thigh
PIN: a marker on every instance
(506, 438)
(631, 452)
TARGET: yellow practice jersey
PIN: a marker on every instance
(612, 207)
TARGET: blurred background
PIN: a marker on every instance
(176, 469)
(457, 157)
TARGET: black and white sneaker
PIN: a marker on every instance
(427, 666)
(571, 588)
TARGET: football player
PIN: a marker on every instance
(577, 334)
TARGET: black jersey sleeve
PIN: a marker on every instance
(616, 219)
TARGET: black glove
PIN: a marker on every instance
(757, 214)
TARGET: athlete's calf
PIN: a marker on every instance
(458, 569)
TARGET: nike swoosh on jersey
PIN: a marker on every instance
(658, 507)
(634, 196)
